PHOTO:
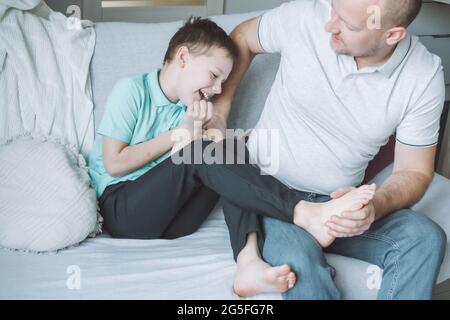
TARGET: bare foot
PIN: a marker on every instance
(255, 276)
(313, 216)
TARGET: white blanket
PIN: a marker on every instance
(44, 74)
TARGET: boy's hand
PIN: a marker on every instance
(196, 116)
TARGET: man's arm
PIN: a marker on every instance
(246, 39)
(412, 174)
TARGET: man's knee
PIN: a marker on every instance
(424, 234)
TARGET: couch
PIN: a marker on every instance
(199, 266)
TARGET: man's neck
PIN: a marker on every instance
(165, 78)
(375, 60)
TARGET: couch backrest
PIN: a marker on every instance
(124, 49)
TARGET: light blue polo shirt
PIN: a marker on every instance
(136, 111)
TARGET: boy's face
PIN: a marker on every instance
(201, 76)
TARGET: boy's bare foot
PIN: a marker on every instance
(313, 216)
(254, 276)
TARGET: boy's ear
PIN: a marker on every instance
(183, 56)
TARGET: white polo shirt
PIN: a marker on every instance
(332, 117)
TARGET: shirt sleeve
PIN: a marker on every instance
(420, 126)
(276, 25)
(121, 111)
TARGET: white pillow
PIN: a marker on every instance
(46, 201)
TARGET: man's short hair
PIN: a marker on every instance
(401, 12)
(199, 35)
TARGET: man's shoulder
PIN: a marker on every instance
(313, 4)
(317, 7)
(423, 73)
(303, 18)
(422, 60)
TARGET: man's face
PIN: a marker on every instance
(350, 34)
(203, 75)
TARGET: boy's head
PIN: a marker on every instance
(203, 55)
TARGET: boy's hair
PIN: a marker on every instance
(199, 35)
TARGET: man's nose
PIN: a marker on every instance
(331, 25)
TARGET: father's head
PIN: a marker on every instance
(363, 28)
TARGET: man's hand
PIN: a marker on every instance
(351, 223)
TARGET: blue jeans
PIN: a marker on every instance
(407, 245)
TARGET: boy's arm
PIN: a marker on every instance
(246, 39)
(120, 159)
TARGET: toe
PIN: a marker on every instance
(364, 188)
(282, 270)
(291, 280)
(282, 283)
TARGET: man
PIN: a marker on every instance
(350, 76)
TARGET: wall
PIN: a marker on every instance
(238, 6)
(230, 6)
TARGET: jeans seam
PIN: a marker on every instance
(391, 291)
(381, 238)
(396, 247)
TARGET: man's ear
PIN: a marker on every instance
(395, 35)
(183, 55)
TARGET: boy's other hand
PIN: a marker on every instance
(197, 114)
(216, 127)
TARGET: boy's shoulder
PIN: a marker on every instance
(133, 82)
(130, 90)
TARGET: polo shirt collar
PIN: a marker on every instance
(158, 97)
(399, 55)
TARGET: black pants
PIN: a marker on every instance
(173, 200)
